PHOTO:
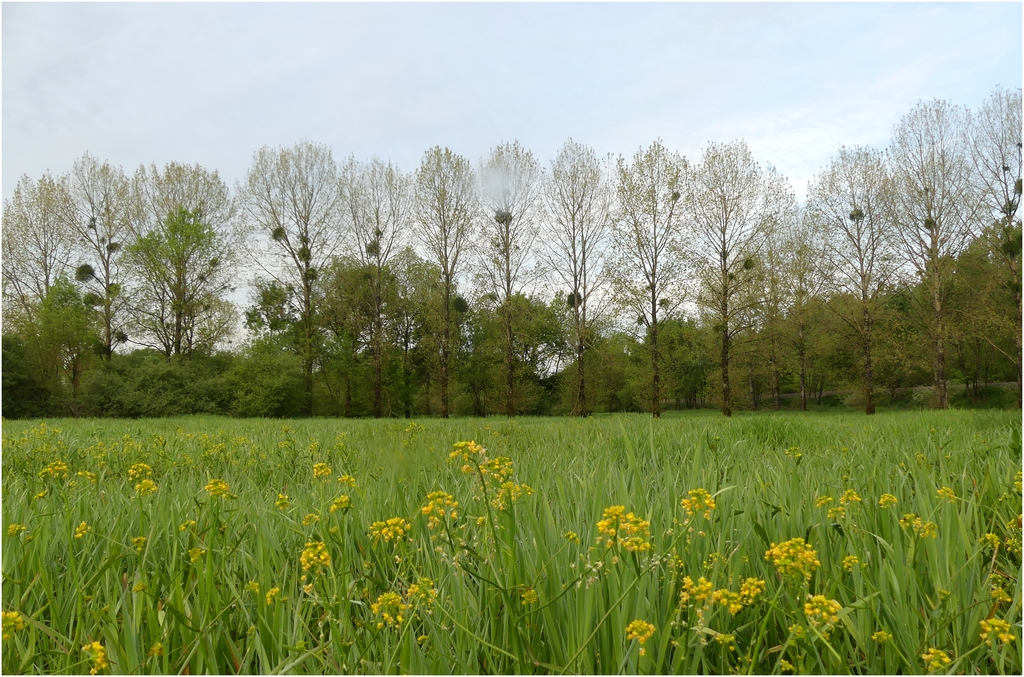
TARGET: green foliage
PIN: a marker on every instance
(216, 566)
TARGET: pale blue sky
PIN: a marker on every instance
(141, 83)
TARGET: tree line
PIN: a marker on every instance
(590, 284)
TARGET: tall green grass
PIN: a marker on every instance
(529, 588)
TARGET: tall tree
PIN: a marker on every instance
(183, 251)
(509, 193)
(733, 205)
(291, 197)
(934, 206)
(100, 195)
(998, 163)
(445, 206)
(38, 241)
(579, 197)
(804, 282)
(183, 272)
(378, 199)
(648, 270)
(847, 202)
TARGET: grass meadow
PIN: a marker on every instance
(767, 543)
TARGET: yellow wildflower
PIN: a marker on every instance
(996, 629)
(341, 503)
(139, 587)
(571, 536)
(82, 529)
(850, 496)
(56, 470)
(91, 476)
(393, 529)
(439, 506)
(947, 494)
(391, 609)
(990, 541)
(272, 595)
(145, 487)
(935, 659)
(156, 650)
(921, 528)
(529, 596)
(751, 588)
(887, 500)
(308, 588)
(422, 592)
(1017, 481)
(822, 613)
(699, 499)
(881, 636)
(282, 502)
(321, 470)
(217, 488)
(12, 623)
(98, 656)
(195, 553)
(732, 600)
(727, 640)
(793, 557)
(627, 530)
(467, 450)
(139, 470)
(41, 494)
(785, 666)
(348, 479)
(837, 512)
(311, 518)
(315, 556)
(700, 592)
(139, 542)
(641, 631)
(999, 595)
(850, 561)
(796, 630)
(187, 525)
(823, 501)
(253, 587)
(15, 529)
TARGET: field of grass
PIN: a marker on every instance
(787, 543)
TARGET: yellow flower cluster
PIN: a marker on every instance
(15, 529)
(793, 557)
(996, 629)
(321, 470)
(282, 502)
(529, 596)
(139, 470)
(393, 529)
(12, 623)
(822, 501)
(195, 553)
(850, 561)
(849, 496)
(272, 595)
(947, 494)
(56, 470)
(390, 608)
(508, 493)
(140, 543)
(311, 518)
(887, 500)
(422, 592)
(91, 476)
(439, 505)
(315, 556)
(837, 512)
(990, 541)
(253, 587)
(881, 636)
(627, 530)
(217, 488)
(935, 659)
(145, 487)
(82, 529)
(467, 451)
(700, 592)
(641, 631)
(822, 613)
(187, 525)
(342, 502)
(921, 528)
(699, 500)
(98, 656)
(347, 479)
(1017, 481)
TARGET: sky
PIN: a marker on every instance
(213, 83)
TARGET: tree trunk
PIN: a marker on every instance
(726, 393)
(655, 376)
(869, 389)
(445, 337)
(510, 405)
